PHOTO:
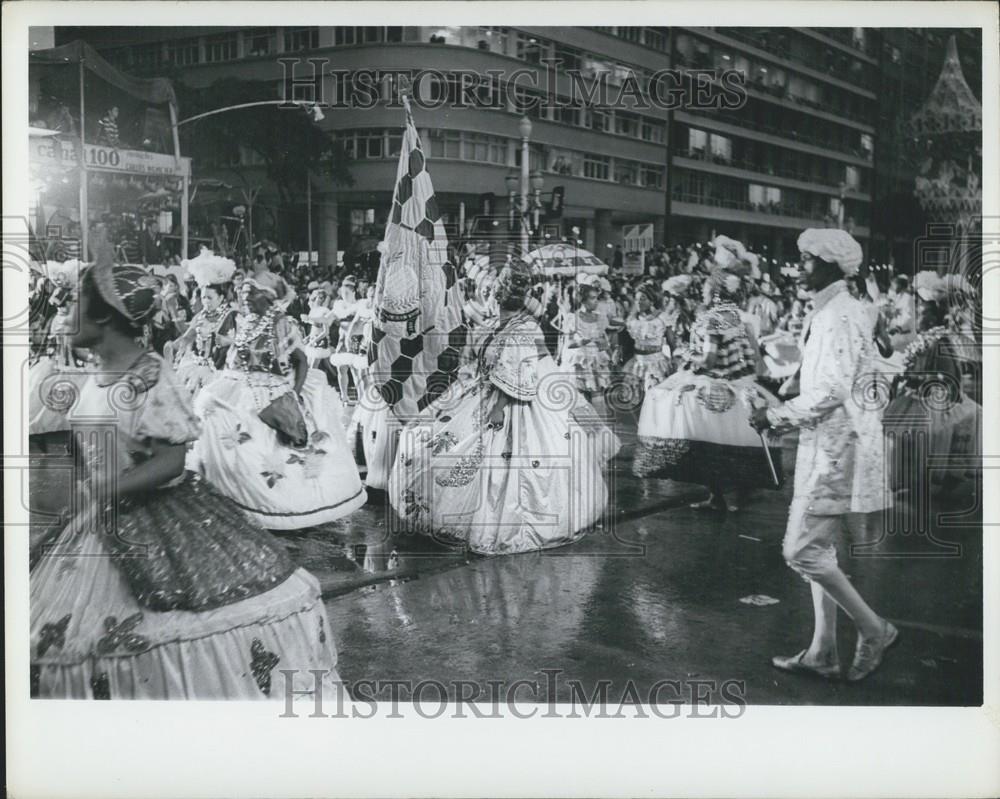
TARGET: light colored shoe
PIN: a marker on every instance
(797, 665)
(868, 654)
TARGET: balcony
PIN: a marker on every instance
(784, 215)
(738, 126)
(701, 159)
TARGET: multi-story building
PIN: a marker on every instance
(798, 152)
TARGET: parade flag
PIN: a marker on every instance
(418, 330)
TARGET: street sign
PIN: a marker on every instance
(637, 238)
(108, 159)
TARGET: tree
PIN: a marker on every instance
(287, 141)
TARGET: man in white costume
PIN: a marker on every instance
(839, 471)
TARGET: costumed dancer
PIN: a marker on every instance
(930, 416)
(201, 351)
(693, 427)
(318, 322)
(511, 460)
(372, 420)
(346, 358)
(646, 325)
(57, 377)
(586, 351)
(181, 597)
(839, 469)
(273, 439)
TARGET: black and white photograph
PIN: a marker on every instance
(603, 370)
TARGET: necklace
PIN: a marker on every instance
(921, 344)
(249, 333)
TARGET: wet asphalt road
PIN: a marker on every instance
(657, 597)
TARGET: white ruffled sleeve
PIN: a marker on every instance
(516, 370)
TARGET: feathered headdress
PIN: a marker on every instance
(209, 269)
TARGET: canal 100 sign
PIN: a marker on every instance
(109, 159)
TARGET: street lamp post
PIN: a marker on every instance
(525, 129)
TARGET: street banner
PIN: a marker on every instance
(64, 152)
(418, 330)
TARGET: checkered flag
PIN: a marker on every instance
(418, 329)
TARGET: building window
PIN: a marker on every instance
(597, 120)
(493, 39)
(597, 167)
(722, 148)
(852, 177)
(567, 115)
(867, 144)
(655, 39)
(626, 124)
(446, 144)
(485, 149)
(652, 130)
(301, 39)
(259, 41)
(697, 141)
(220, 48)
(531, 48)
(183, 52)
(361, 218)
(570, 57)
(626, 172)
(346, 36)
(651, 176)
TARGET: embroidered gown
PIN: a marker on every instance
(649, 366)
(55, 380)
(202, 355)
(930, 416)
(535, 483)
(591, 362)
(280, 487)
(225, 605)
(694, 427)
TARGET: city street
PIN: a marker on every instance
(658, 598)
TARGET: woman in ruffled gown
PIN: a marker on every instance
(586, 351)
(183, 598)
(694, 426)
(930, 416)
(510, 461)
(296, 469)
(345, 309)
(201, 351)
(646, 325)
(56, 379)
(372, 423)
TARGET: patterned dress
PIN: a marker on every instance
(202, 354)
(56, 380)
(205, 607)
(694, 426)
(930, 417)
(535, 483)
(650, 365)
(279, 486)
(590, 362)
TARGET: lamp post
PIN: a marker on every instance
(537, 183)
(525, 129)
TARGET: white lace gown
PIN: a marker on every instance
(535, 483)
(279, 486)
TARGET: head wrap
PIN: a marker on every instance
(832, 245)
(929, 286)
(209, 269)
(651, 292)
(514, 282)
(349, 281)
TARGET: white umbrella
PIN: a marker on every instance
(565, 259)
